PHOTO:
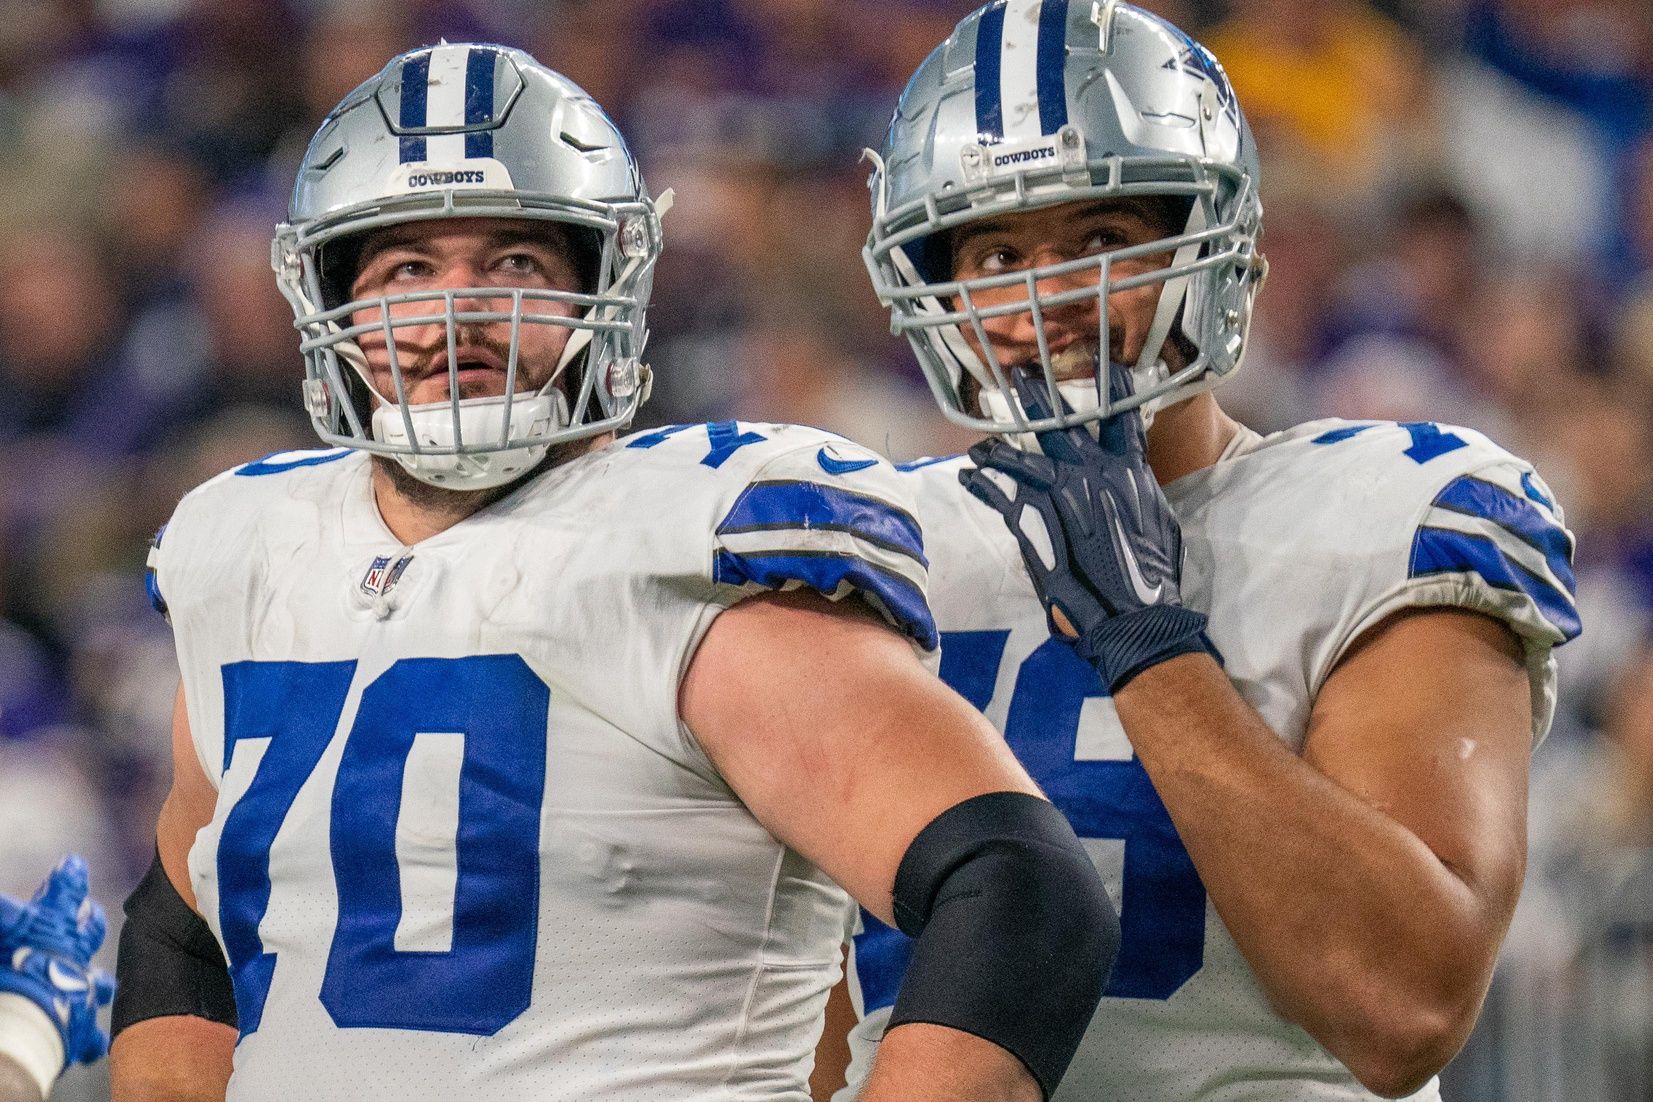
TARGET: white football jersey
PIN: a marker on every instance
(463, 846)
(1296, 544)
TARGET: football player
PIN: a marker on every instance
(512, 760)
(49, 992)
(1285, 687)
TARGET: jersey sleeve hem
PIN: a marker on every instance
(1489, 539)
(1447, 592)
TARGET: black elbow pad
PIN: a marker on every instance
(1015, 932)
(169, 962)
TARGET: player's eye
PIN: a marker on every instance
(519, 264)
(1105, 239)
(407, 269)
(997, 258)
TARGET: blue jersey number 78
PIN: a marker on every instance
(1162, 912)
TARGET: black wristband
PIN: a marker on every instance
(1124, 646)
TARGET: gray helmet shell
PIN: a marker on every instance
(1031, 103)
(470, 130)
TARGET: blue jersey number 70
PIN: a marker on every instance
(286, 714)
(1163, 902)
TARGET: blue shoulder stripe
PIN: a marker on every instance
(1443, 551)
(825, 571)
(782, 505)
(151, 582)
(152, 589)
(1477, 497)
(270, 464)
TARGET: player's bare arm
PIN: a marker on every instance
(1369, 882)
(848, 769)
(174, 1057)
(16, 1084)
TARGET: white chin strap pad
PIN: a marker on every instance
(482, 421)
(1081, 396)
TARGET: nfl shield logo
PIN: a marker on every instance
(382, 575)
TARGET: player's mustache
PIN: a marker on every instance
(419, 361)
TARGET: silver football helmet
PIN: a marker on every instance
(470, 131)
(1031, 103)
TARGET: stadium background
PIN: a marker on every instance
(1459, 200)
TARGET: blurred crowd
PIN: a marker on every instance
(1459, 220)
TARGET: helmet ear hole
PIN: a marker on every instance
(585, 250)
(337, 262)
(933, 257)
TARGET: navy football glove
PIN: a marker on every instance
(1097, 536)
(46, 949)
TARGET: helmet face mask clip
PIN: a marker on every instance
(424, 143)
(1032, 104)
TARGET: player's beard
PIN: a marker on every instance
(456, 505)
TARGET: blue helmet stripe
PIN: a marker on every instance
(989, 98)
(479, 101)
(415, 89)
(1053, 40)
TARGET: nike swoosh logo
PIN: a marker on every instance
(1144, 594)
(842, 466)
(63, 978)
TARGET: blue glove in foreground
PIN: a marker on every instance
(1097, 536)
(46, 949)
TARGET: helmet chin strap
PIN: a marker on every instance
(1150, 368)
(480, 419)
(947, 340)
